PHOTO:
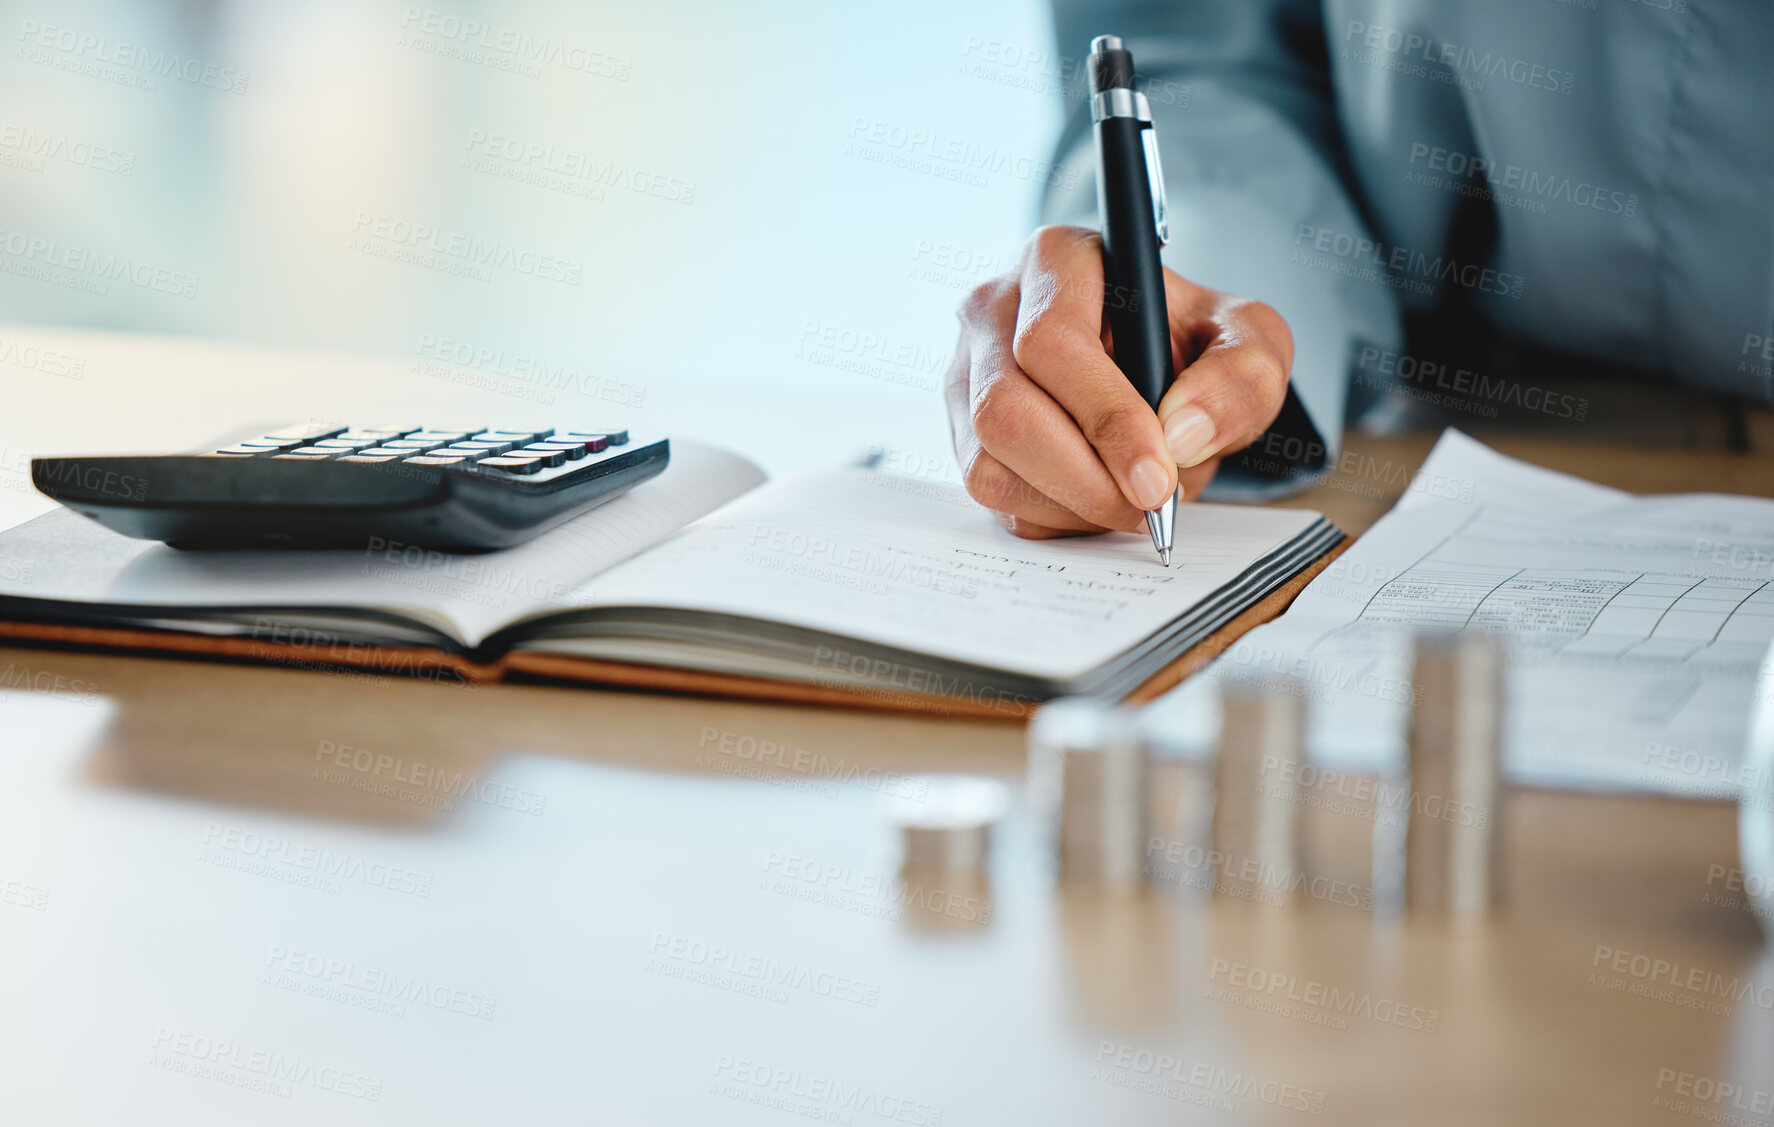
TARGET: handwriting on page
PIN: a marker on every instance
(856, 553)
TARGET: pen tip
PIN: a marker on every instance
(1161, 522)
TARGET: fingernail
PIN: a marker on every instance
(1151, 484)
(1187, 434)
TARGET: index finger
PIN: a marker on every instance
(1233, 390)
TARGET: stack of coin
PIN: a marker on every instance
(1088, 785)
(1453, 834)
(1256, 810)
(946, 824)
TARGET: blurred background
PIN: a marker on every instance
(744, 222)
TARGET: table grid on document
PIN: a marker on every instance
(1645, 616)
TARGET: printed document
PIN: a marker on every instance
(1636, 626)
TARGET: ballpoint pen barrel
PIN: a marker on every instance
(1130, 203)
(1133, 281)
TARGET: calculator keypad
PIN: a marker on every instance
(522, 453)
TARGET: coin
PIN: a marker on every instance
(1452, 840)
(1088, 785)
(946, 821)
(1256, 810)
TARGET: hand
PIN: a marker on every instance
(1050, 434)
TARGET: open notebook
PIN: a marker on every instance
(844, 586)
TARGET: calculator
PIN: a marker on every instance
(458, 488)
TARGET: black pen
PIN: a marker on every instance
(1130, 201)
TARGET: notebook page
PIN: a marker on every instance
(919, 566)
(62, 555)
(1636, 626)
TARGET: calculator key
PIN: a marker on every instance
(439, 436)
(511, 464)
(609, 437)
(342, 444)
(591, 444)
(248, 450)
(305, 432)
(548, 457)
(298, 457)
(410, 445)
(319, 451)
(378, 458)
(517, 437)
(224, 454)
(273, 443)
(368, 437)
(573, 450)
(432, 460)
(486, 448)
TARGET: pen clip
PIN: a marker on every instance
(1155, 177)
